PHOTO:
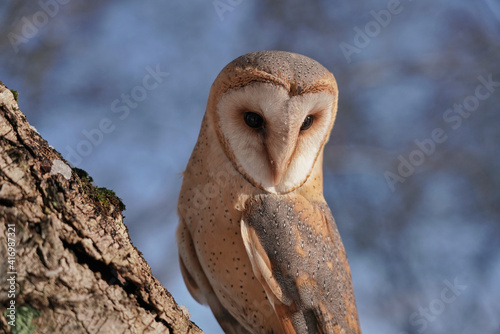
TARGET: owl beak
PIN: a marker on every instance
(279, 146)
(280, 161)
(277, 173)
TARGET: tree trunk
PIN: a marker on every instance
(67, 264)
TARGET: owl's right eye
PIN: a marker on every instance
(253, 120)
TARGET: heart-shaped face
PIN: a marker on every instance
(273, 112)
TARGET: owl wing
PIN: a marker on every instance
(298, 257)
(198, 284)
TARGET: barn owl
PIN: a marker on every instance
(257, 241)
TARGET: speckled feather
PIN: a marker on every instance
(301, 243)
(220, 198)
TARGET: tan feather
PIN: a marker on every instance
(260, 273)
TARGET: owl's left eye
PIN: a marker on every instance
(253, 120)
(308, 121)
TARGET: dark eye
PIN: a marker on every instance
(253, 120)
(307, 123)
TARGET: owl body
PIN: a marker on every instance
(257, 242)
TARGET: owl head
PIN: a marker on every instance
(273, 112)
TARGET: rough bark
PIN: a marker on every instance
(75, 269)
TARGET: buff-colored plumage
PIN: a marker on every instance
(257, 241)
